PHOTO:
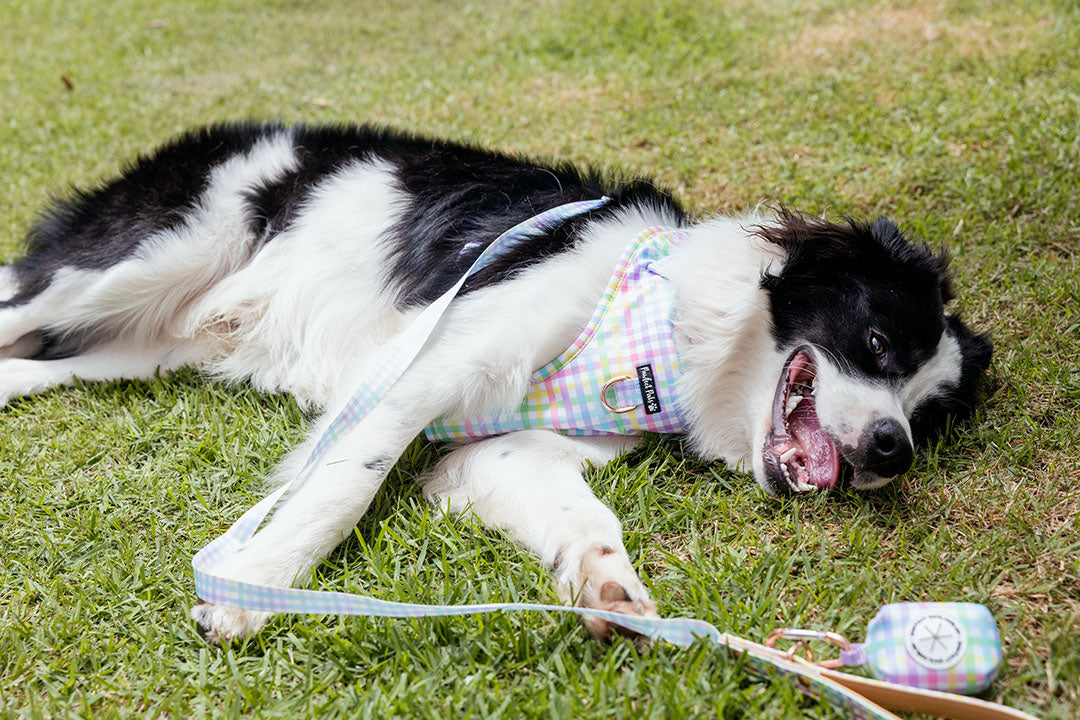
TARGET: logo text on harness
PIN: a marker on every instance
(648, 389)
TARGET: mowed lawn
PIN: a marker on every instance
(959, 120)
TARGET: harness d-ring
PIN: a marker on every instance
(603, 395)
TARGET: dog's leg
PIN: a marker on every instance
(479, 359)
(530, 485)
(22, 319)
(112, 361)
(318, 514)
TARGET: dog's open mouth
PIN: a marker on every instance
(799, 455)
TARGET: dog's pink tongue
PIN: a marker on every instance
(822, 458)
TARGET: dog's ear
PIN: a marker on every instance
(892, 240)
(942, 413)
(807, 242)
(976, 349)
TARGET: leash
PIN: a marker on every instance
(858, 697)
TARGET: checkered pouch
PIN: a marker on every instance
(953, 647)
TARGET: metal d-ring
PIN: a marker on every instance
(603, 395)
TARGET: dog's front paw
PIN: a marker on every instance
(607, 581)
(219, 624)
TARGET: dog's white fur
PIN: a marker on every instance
(307, 314)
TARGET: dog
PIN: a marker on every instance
(811, 352)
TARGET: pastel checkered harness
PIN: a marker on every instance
(627, 350)
(225, 591)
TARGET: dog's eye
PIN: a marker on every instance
(877, 345)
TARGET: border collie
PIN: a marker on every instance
(286, 256)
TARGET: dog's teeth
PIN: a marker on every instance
(792, 403)
(787, 455)
(803, 487)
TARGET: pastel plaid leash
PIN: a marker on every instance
(229, 592)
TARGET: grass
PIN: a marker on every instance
(958, 119)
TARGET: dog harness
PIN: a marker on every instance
(619, 376)
(639, 295)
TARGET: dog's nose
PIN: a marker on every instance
(887, 449)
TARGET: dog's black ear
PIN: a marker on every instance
(976, 349)
(888, 234)
(942, 413)
(808, 243)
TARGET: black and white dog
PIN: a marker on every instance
(285, 256)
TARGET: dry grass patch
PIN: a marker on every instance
(913, 34)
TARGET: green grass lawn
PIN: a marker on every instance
(958, 119)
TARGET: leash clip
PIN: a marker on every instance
(803, 638)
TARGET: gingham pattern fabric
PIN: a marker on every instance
(630, 334)
(890, 659)
(220, 590)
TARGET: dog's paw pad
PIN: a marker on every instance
(218, 624)
(609, 582)
(614, 592)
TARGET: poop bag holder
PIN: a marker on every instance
(949, 647)
(954, 647)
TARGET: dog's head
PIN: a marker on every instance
(870, 363)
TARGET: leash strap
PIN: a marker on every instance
(219, 590)
(926, 702)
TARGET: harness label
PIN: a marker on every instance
(648, 389)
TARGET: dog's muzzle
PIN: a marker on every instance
(884, 450)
